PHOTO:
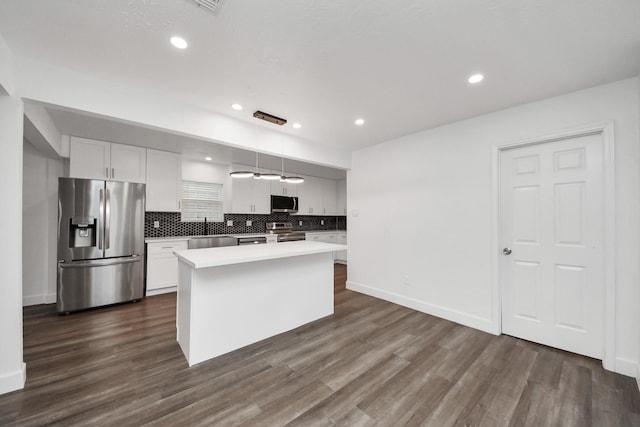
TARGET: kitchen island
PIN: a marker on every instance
(234, 296)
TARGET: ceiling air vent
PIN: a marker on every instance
(210, 5)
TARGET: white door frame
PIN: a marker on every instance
(606, 130)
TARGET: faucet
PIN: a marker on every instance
(206, 228)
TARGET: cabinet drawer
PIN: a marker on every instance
(159, 248)
(321, 237)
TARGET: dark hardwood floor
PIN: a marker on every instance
(371, 363)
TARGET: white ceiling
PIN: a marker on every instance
(401, 65)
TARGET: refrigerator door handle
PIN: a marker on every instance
(100, 225)
(107, 219)
(100, 263)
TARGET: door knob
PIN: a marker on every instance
(506, 251)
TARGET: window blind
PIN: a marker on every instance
(201, 200)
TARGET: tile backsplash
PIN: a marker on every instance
(170, 224)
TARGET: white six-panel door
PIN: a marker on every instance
(551, 214)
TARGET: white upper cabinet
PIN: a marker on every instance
(329, 197)
(342, 198)
(89, 159)
(164, 181)
(310, 195)
(318, 196)
(279, 188)
(250, 195)
(104, 160)
(128, 163)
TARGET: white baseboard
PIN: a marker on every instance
(626, 367)
(152, 292)
(340, 261)
(13, 380)
(485, 325)
(38, 299)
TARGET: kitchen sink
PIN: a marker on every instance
(212, 241)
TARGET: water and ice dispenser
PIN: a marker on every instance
(82, 231)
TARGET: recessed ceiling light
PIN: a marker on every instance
(476, 78)
(208, 158)
(297, 125)
(359, 122)
(236, 107)
(179, 42)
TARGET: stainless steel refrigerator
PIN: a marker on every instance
(100, 243)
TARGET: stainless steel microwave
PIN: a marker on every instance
(284, 204)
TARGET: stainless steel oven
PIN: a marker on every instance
(284, 231)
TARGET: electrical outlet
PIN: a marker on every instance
(230, 223)
(156, 224)
(406, 281)
(249, 223)
(300, 223)
(322, 222)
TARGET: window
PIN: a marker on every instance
(201, 200)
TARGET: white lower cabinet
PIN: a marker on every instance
(314, 237)
(162, 266)
(329, 237)
(341, 239)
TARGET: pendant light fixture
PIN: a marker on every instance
(249, 174)
(289, 179)
(246, 174)
(241, 174)
(268, 176)
(283, 177)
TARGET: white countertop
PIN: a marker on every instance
(227, 255)
(166, 239)
(250, 235)
(179, 238)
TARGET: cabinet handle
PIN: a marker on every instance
(106, 172)
(113, 173)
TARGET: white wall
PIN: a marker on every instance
(12, 368)
(40, 130)
(6, 69)
(39, 226)
(638, 366)
(421, 210)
